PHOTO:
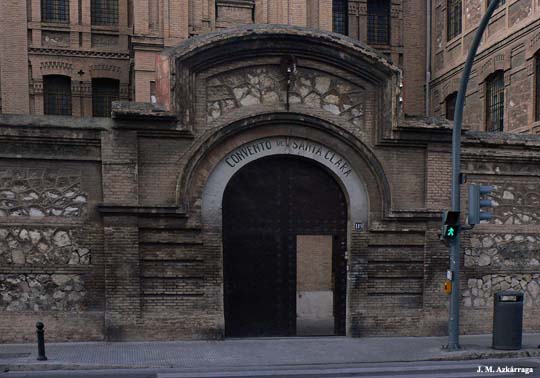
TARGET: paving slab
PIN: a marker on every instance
(292, 351)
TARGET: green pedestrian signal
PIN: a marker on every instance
(450, 225)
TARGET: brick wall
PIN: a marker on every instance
(13, 59)
(509, 45)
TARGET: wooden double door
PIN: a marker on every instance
(284, 240)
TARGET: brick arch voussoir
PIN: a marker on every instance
(201, 158)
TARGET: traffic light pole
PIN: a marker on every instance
(453, 322)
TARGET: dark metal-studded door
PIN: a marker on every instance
(266, 206)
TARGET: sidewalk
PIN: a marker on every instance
(253, 352)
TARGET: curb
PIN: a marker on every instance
(487, 355)
(49, 367)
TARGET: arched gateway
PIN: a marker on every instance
(281, 174)
(284, 243)
(284, 205)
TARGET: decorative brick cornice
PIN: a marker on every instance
(78, 53)
(169, 211)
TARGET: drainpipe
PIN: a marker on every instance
(428, 58)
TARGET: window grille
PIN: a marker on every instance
(104, 92)
(495, 102)
(537, 87)
(453, 22)
(340, 16)
(450, 104)
(104, 12)
(55, 10)
(57, 95)
(378, 21)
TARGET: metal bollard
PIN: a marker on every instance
(41, 342)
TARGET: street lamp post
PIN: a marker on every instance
(453, 322)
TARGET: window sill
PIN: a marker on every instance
(105, 28)
(55, 25)
(454, 42)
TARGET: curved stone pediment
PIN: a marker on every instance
(208, 80)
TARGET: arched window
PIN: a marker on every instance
(57, 95)
(340, 16)
(55, 10)
(104, 12)
(495, 102)
(104, 92)
(378, 21)
(450, 105)
(537, 87)
(453, 19)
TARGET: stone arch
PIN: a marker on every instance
(351, 183)
(203, 158)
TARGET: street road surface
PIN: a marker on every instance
(424, 369)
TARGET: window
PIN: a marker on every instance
(153, 96)
(340, 15)
(55, 10)
(378, 21)
(104, 92)
(495, 102)
(453, 19)
(537, 87)
(104, 12)
(450, 104)
(57, 95)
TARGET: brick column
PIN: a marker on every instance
(298, 12)
(122, 277)
(357, 280)
(325, 15)
(14, 58)
(122, 261)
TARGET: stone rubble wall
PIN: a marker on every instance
(41, 245)
(479, 292)
(267, 85)
(516, 202)
(36, 192)
(503, 250)
(41, 292)
(513, 254)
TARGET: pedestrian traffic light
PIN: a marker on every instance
(476, 203)
(450, 226)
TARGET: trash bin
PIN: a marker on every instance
(507, 320)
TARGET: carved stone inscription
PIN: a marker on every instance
(297, 146)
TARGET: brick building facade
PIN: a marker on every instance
(114, 43)
(505, 81)
(163, 224)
